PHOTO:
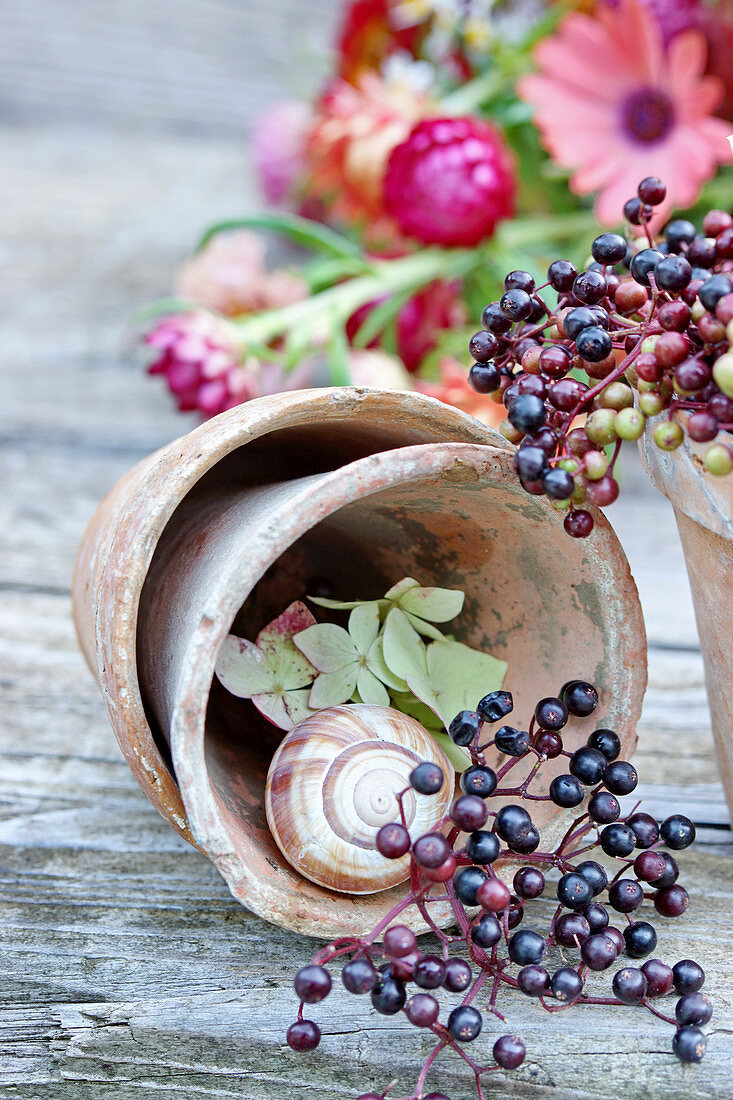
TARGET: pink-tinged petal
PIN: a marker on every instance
(702, 100)
(635, 43)
(578, 72)
(609, 204)
(686, 57)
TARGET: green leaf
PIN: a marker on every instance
(426, 629)
(377, 664)
(460, 676)
(290, 668)
(415, 708)
(437, 605)
(404, 653)
(457, 756)
(379, 318)
(328, 647)
(301, 231)
(341, 605)
(339, 371)
(333, 688)
(242, 668)
(398, 590)
(370, 689)
(364, 627)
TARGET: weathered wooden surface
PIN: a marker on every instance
(126, 969)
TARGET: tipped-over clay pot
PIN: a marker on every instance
(703, 509)
(222, 529)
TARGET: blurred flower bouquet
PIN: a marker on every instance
(456, 140)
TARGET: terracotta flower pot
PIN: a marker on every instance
(222, 529)
(703, 508)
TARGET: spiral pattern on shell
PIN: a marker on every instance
(332, 785)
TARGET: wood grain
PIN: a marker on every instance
(126, 969)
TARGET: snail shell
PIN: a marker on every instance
(332, 785)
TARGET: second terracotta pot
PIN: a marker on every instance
(221, 530)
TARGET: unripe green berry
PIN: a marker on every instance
(600, 426)
(617, 395)
(668, 435)
(572, 465)
(579, 493)
(561, 505)
(630, 424)
(723, 373)
(729, 332)
(718, 459)
(647, 387)
(509, 432)
(595, 465)
(649, 344)
(698, 310)
(650, 404)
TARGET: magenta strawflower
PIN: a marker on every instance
(278, 148)
(202, 365)
(450, 182)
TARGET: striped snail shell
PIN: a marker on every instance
(332, 785)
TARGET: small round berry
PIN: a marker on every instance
(630, 985)
(630, 424)
(527, 413)
(466, 884)
(677, 832)
(594, 344)
(598, 951)
(693, 1008)
(399, 941)
(526, 947)
(555, 361)
(483, 847)
(422, 1010)
(566, 984)
(673, 316)
(464, 728)
(620, 777)
(525, 841)
(561, 275)
(635, 210)
(689, 1044)
(673, 273)
(580, 697)
(443, 871)
(713, 289)
(487, 931)
(625, 895)
(659, 977)
(483, 346)
(431, 850)
(617, 840)
(597, 917)
(509, 1051)
(404, 968)
(312, 984)
(469, 812)
(548, 744)
(530, 462)
(609, 248)
(493, 895)
(388, 996)
(644, 828)
(588, 765)
(652, 191)
(528, 882)
(510, 820)
(429, 972)
(607, 742)
(649, 866)
(534, 981)
(574, 891)
(519, 280)
(603, 808)
(495, 706)
(512, 742)
(671, 872)
(484, 377)
(578, 523)
(427, 778)
(571, 929)
(594, 874)
(558, 484)
(493, 319)
(688, 976)
(566, 791)
(671, 901)
(640, 939)
(464, 1023)
(516, 305)
(359, 976)
(551, 713)
(600, 427)
(718, 460)
(458, 976)
(479, 780)
(303, 1036)
(643, 264)
(702, 427)
(679, 232)
(393, 841)
(590, 287)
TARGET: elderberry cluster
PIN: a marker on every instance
(646, 330)
(485, 860)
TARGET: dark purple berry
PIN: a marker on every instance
(464, 1023)
(580, 697)
(388, 996)
(620, 777)
(672, 901)
(458, 976)
(312, 984)
(693, 1008)
(495, 706)
(643, 264)
(534, 981)
(464, 727)
(644, 828)
(566, 984)
(431, 850)
(469, 812)
(571, 929)
(483, 346)
(509, 1051)
(677, 832)
(427, 778)
(590, 286)
(551, 713)
(689, 1044)
(652, 191)
(512, 742)
(479, 780)
(561, 274)
(659, 977)
(466, 884)
(483, 847)
(516, 305)
(598, 951)
(617, 840)
(528, 882)
(422, 1010)
(487, 931)
(607, 742)
(630, 985)
(603, 808)
(527, 413)
(689, 976)
(588, 765)
(393, 841)
(429, 972)
(625, 895)
(594, 344)
(640, 938)
(484, 377)
(526, 947)
(303, 1036)
(566, 791)
(593, 873)
(574, 891)
(359, 976)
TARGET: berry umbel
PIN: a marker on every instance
(457, 863)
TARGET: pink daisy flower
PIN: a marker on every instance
(613, 106)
